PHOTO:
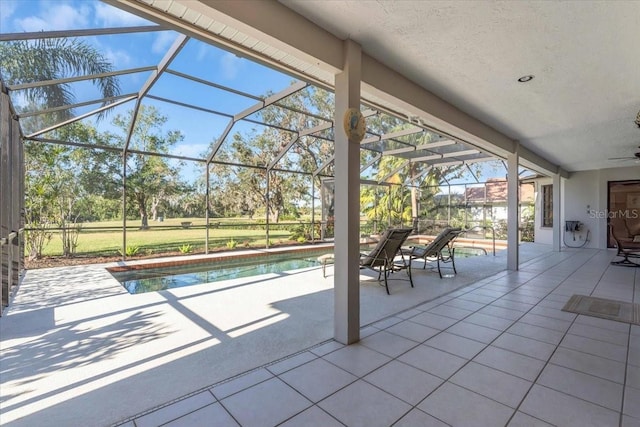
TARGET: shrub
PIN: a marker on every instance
(231, 244)
(185, 249)
(130, 250)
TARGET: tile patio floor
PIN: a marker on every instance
(497, 352)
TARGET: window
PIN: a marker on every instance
(547, 205)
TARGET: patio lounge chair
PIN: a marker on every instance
(439, 249)
(383, 257)
(626, 250)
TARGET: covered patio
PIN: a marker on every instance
(485, 345)
(90, 341)
(490, 346)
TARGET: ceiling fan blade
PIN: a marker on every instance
(621, 158)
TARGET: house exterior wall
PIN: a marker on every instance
(584, 198)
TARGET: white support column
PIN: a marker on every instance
(557, 226)
(513, 218)
(347, 203)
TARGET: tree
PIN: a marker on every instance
(151, 179)
(244, 189)
(28, 61)
(60, 178)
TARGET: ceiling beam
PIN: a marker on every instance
(371, 162)
(324, 165)
(80, 117)
(270, 100)
(79, 104)
(256, 107)
(445, 155)
(173, 51)
(35, 35)
(79, 78)
(212, 84)
(441, 143)
(290, 144)
(258, 18)
(394, 171)
(263, 20)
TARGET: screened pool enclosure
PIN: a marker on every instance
(155, 142)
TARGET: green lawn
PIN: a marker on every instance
(166, 236)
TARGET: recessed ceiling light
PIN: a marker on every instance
(525, 79)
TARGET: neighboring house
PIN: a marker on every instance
(489, 202)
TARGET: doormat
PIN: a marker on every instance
(605, 308)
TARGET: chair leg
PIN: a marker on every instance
(409, 273)
(453, 262)
(439, 271)
(386, 284)
(626, 261)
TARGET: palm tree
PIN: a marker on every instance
(28, 61)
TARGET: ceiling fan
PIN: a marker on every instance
(635, 156)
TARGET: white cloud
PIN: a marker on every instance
(119, 58)
(191, 150)
(7, 7)
(163, 41)
(110, 16)
(230, 66)
(202, 52)
(56, 16)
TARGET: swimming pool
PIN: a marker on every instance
(159, 277)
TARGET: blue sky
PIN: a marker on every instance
(146, 49)
(126, 51)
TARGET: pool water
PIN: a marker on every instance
(161, 278)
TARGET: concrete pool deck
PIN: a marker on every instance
(77, 349)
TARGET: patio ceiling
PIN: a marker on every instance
(576, 113)
(230, 109)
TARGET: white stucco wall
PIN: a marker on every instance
(587, 190)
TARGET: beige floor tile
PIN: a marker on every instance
(311, 417)
(474, 332)
(413, 331)
(357, 359)
(525, 346)
(595, 347)
(589, 364)
(499, 386)
(512, 363)
(266, 404)
(460, 407)
(561, 409)
(363, 405)
(176, 410)
(524, 420)
(387, 343)
(417, 418)
(433, 361)
(213, 414)
(404, 381)
(455, 344)
(592, 389)
(317, 379)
